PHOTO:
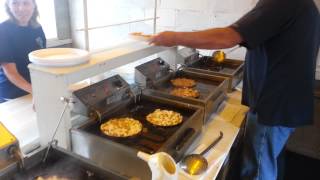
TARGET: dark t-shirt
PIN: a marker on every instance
(16, 42)
(282, 38)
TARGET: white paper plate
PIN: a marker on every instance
(140, 36)
(59, 57)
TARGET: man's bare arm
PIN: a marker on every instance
(216, 38)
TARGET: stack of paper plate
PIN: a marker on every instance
(59, 57)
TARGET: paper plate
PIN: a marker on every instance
(59, 57)
(140, 36)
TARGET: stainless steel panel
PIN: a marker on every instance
(109, 156)
(209, 100)
(59, 163)
(117, 157)
(234, 76)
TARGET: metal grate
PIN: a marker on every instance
(152, 137)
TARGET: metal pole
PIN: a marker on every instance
(155, 16)
(86, 26)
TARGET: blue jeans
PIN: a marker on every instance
(262, 146)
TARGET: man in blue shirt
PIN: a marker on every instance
(282, 39)
(19, 35)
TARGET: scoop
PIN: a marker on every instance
(219, 56)
(161, 164)
(195, 164)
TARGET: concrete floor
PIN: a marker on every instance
(301, 167)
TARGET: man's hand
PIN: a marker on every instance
(167, 38)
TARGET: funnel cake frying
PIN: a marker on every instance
(185, 92)
(121, 127)
(183, 82)
(164, 118)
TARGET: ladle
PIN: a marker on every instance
(161, 164)
(219, 56)
(195, 164)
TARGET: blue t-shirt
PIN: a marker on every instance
(16, 42)
(282, 38)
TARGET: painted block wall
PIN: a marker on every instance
(178, 15)
(103, 13)
(191, 15)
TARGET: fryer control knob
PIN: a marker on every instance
(161, 62)
(94, 115)
(117, 83)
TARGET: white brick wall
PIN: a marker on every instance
(218, 6)
(187, 20)
(189, 15)
(197, 5)
(167, 17)
(198, 14)
(103, 13)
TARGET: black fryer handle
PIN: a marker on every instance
(188, 133)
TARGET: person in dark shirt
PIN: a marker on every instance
(19, 35)
(282, 39)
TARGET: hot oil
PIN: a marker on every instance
(203, 86)
(167, 164)
(152, 137)
(58, 168)
(207, 64)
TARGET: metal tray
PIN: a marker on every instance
(121, 156)
(60, 163)
(212, 90)
(230, 68)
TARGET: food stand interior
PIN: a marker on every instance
(101, 27)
